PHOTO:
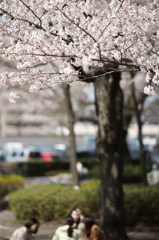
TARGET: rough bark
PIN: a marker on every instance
(3, 124)
(141, 146)
(109, 103)
(73, 157)
(126, 120)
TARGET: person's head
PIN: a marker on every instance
(69, 221)
(79, 212)
(32, 225)
(88, 223)
(75, 215)
(154, 166)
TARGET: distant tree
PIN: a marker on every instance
(134, 106)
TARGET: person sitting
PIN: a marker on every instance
(25, 232)
(78, 216)
(66, 232)
(153, 176)
(91, 230)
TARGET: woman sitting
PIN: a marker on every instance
(25, 232)
(91, 230)
(66, 232)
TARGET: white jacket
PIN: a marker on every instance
(62, 234)
(21, 234)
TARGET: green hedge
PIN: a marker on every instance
(142, 205)
(131, 173)
(9, 183)
(35, 168)
(53, 202)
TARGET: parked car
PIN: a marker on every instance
(61, 150)
(42, 153)
(86, 153)
(49, 156)
(15, 152)
(2, 153)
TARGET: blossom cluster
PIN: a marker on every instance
(86, 34)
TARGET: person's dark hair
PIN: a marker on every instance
(31, 222)
(69, 220)
(74, 209)
(89, 222)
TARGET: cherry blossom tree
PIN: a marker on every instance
(92, 41)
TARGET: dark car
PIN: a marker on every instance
(86, 153)
(42, 153)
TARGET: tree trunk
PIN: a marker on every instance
(3, 124)
(139, 123)
(128, 112)
(109, 103)
(72, 147)
(127, 157)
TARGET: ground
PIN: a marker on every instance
(8, 224)
(46, 231)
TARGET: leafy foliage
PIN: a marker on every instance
(55, 201)
(9, 183)
(141, 204)
(131, 173)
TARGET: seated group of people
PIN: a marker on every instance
(77, 227)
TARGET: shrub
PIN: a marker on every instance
(141, 204)
(35, 168)
(131, 173)
(55, 201)
(9, 183)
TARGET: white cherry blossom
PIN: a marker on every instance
(14, 96)
(82, 35)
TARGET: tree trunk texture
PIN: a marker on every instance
(141, 146)
(72, 147)
(128, 112)
(109, 147)
(127, 157)
(3, 125)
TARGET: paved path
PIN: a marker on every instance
(46, 231)
(7, 226)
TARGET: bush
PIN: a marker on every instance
(34, 168)
(54, 202)
(141, 204)
(132, 173)
(9, 183)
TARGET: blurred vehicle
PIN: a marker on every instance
(85, 153)
(49, 156)
(42, 153)
(2, 157)
(61, 150)
(15, 152)
(155, 154)
(134, 150)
